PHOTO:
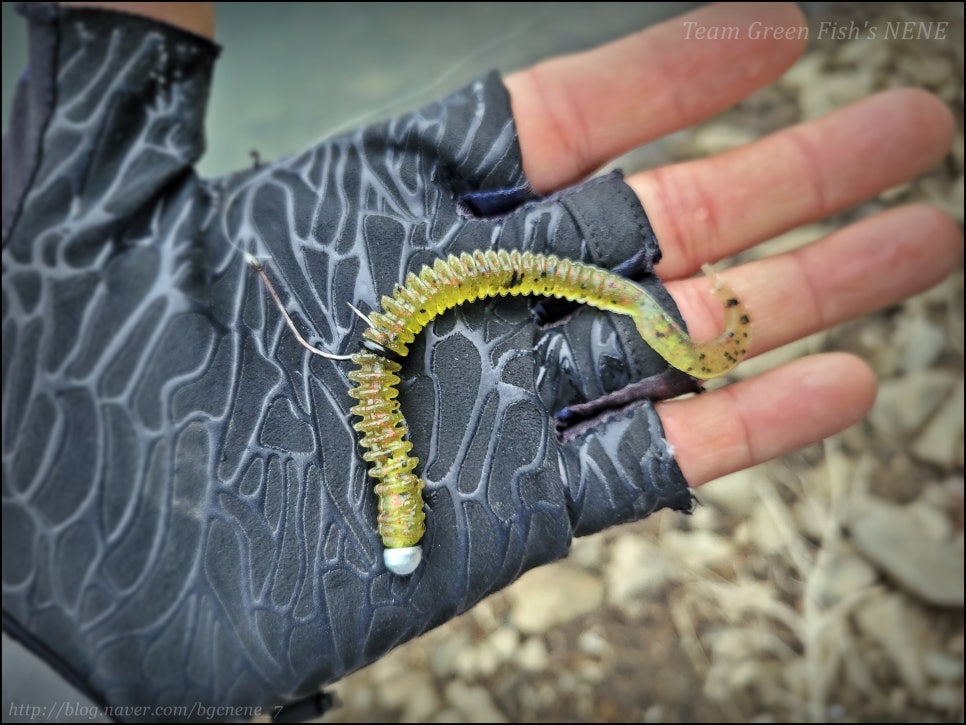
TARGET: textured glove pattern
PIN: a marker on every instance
(186, 515)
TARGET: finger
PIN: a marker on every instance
(705, 210)
(876, 262)
(744, 424)
(576, 112)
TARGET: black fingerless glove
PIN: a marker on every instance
(186, 512)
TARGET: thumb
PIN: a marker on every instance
(620, 468)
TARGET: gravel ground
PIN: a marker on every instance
(823, 586)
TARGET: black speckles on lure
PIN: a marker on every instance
(480, 275)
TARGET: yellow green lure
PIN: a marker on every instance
(484, 274)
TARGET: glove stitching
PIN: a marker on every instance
(592, 233)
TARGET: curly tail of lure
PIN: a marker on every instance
(480, 275)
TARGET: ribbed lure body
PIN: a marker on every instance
(483, 274)
(401, 519)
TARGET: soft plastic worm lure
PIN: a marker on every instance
(480, 275)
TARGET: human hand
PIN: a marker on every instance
(252, 434)
(703, 211)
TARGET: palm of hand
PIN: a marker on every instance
(212, 479)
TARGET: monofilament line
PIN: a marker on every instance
(257, 266)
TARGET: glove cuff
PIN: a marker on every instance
(112, 104)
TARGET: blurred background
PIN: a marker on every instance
(824, 586)
(291, 74)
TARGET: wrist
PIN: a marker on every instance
(197, 18)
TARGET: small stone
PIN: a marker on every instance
(735, 492)
(473, 703)
(920, 341)
(874, 339)
(532, 655)
(946, 698)
(954, 200)
(807, 71)
(835, 91)
(796, 678)
(476, 661)
(449, 715)
(504, 642)
(905, 403)
(583, 695)
(949, 292)
(549, 596)
(636, 572)
(388, 669)
(832, 479)
(941, 442)
(700, 549)
(443, 657)
(956, 644)
(762, 532)
(958, 151)
(869, 52)
(397, 692)
(890, 622)
(567, 680)
(485, 615)
(593, 643)
(844, 575)
(932, 516)
(353, 697)
(895, 193)
(943, 667)
(953, 499)
(811, 519)
(726, 678)
(588, 552)
(716, 138)
(898, 699)
(592, 671)
(421, 704)
(836, 711)
(947, 195)
(926, 70)
(779, 356)
(793, 239)
(703, 517)
(894, 539)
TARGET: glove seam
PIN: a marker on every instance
(589, 231)
(641, 221)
